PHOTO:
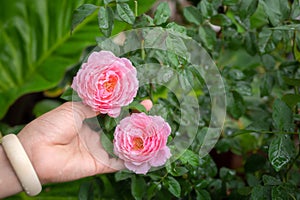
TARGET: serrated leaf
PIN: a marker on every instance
(162, 13)
(106, 20)
(285, 191)
(125, 13)
(266, 85)
(265, 43)
(281, 151)
(192, 15)
(270, 180)
(81, 13)
(190, 157)
(257, 193)
(282, 116)
(247, 8)
(276, 10)
(138, 187)
(295, 11)
(172, 185)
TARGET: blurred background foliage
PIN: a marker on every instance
(254, 43)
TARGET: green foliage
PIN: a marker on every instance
(255, 44)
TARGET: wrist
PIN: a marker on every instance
(9, 183)
(21, 164)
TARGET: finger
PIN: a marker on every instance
(83, 111)
(105, 164)
(147, 103)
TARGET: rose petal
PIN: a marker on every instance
(161, 157)
(140, 169)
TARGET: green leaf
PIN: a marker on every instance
(292, 81)
(259, 18)
(138, 187)
(227, 174)
(281, 151)
(230, 2)
(81, 13)
(162, 13)
(106, 2)
(221, 20)
(207, 37)
(172, 185)
(250, 43)
(37, 46)
(285, 191)
(192, 15)
(295, 11)
(291, 99)
(265, 43)
(270, 180)
(258, 193)
(247, 8)
(296, 48)
(202, 194)
(236, 105)
(86, 191)
(106, 20)
(70, 95)
(190, 157)
(266, 85)
(44, 106)
(125, 13)
(135, 105)
(41, 47)
(122, 175)
(282, 116)
(276, 10)
(152, 189)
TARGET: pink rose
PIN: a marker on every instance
(106, 83)
(140, 140)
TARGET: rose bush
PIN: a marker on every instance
(140, 140)
(106, 83)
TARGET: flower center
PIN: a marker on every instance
(110, 84)
(138, 143)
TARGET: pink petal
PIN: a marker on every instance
(161, 157)
(138, 169)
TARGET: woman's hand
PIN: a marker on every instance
(62, 147)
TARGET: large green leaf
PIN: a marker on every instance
(37, 45)
(281, 151)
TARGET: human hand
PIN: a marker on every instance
(63, 148)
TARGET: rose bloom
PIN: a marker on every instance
(106, 83)
(140, 140)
